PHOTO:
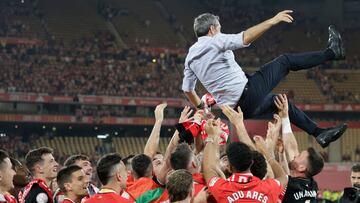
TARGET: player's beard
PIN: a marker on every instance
(357, 185)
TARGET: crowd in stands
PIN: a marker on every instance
(9, 25)
(94, 64)
(15, 21)
(106, 10)
(14, 145)
(349, 158)
(324, 80)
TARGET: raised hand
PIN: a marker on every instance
(185, 114)
(213, 129)
(159, 111)
(283, 16)
(273, 132)
(282, 104)
(233, 116)
(261, 146)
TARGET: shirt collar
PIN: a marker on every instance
(65, 198)
(106, 190)
(203, 38)
(241, 177)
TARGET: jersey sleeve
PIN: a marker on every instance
(216, 187)
(275, 186)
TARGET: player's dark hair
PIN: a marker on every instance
(127, 159)
(106, 166)
(259, 167)
(64, 176)
(315, 163)
(355, 167)
(181, 157)
(35, 156)
(73, 158)
(3, 156)
(142, 166)
(240, 156)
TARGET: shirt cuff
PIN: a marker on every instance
(242, 39)
(187, 88)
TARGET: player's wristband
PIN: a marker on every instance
(209, 139)
(201, 105)
(286, 125)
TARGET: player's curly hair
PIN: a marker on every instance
(179, 185)
(240, 156)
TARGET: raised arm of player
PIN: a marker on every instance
(272, 135)
(193, 97)
(279, 173)
(282, 157)
(211, 151)
(152, 143)
(290, 143)
(185, 114)
(166, 167)
(256, 31)
(236, 118)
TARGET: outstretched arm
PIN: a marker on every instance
(282, 157)
(290, 143)
(193, 97)
(211, 151)
(152, 143)
(279, 172)
(185, 114)
(237, 119)
(256, 31)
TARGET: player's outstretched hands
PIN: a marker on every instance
(233, 116)
(213, 129)
(282, 104)
(273, 132)
(262, 147)
(283, 16)
(185, 114)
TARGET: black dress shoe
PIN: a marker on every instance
(331, 134)
(335, 43)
